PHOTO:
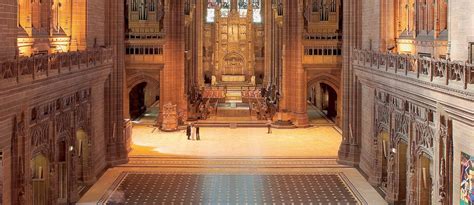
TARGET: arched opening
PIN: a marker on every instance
(39, 165)
(143, 100)
(329, 101)
(322, 96)
(137, 101)
(384, 139)
(424, 180)
(402, 172)
(82, 155)
(62, 170)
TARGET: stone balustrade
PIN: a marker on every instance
(25, 69)
(455, 74)
(132, 36)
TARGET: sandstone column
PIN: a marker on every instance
(268, 22)
(294, 75)
(349, 149)
(115, 94)
(173, 75)
(200, 16)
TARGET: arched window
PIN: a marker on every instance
(212, 5)
(211, 11)
(225, 7)
(257, 11)
(243, 6)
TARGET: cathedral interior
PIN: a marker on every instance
(314, 102)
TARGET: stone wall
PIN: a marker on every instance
(60, 104)
(366, 111)
(8, 29)
(371, 24)
(434, 119)
(461, 28)
(95, 23)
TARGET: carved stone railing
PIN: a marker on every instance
(26, 69)
(132, 36)
(454, 74)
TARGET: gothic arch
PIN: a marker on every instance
(327, 79)
(138, 78)
(233, 57)
(334, 83)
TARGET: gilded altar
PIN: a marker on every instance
(234, 56)
(233, 78)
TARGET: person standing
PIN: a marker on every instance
(188, 131)
(193, 132)
(269, 126)
(197, 134)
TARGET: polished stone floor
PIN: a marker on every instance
(188, 185)
(234, 166)
(202, 188)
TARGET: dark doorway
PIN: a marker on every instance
(137, 101)
(329, 101)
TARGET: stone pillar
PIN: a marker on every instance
(200, 17)
(116, 93)
(294, 73)
(269, 40)
(349, 149)
(173, 75)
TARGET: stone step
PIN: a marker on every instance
(231, 162)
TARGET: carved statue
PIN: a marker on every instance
(391, 169)
(252, 80)
(442, 173)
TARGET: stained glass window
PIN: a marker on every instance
(257, 11)
(211, 12)
(225, 7)
(242, 7)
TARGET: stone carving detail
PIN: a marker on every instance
(420, 144)
(397, 103)
(391, 175)
(383, 112)
(445, 161)
(401, 125)
(40, 135)
(170, 117)
(82, 117)
(383, 118)
(18, 155)
(40, 65)
(50, 109)
(424, 136)
(419, 112)
(433, 71)
(63, 124)
(405, 121)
